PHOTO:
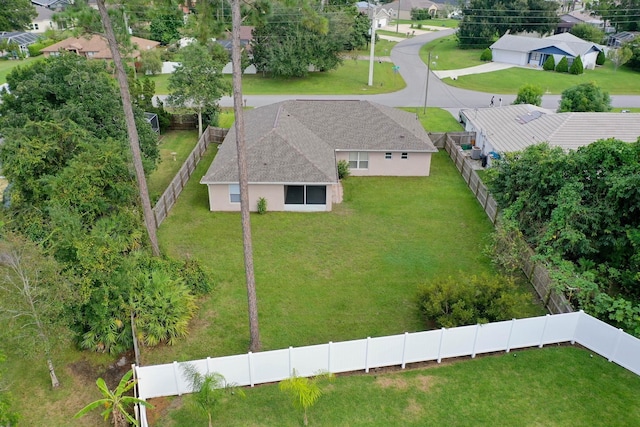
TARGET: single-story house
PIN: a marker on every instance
(403, 7)
(96, 47)
(383, 14)
(512, 128)
(21, 39)
(293, 148)
(533, 52)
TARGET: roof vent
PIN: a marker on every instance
(401, 136)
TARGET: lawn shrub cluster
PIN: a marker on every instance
(549, 64)
(343, 169)
(577, 67)
(563, 65)
(486, 55)
(467, 300)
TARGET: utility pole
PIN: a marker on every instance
(426, 90)
(398, 17)
(373, 45)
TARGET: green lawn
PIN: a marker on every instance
(437, 22)
(7, 66)
(624, 81)
(436, 119)
(447, 56)
(350, 78)
(553, 386)
(382, 48)
(175, 147)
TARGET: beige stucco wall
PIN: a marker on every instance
(417, 164)
(274, 193)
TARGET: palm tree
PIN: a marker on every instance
(115, 402)
(304, 391)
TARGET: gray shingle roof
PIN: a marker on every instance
(566, 42)
(508, 130)
(295, 141)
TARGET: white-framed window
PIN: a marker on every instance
(404, 156)
(535, 56)
(234, 193)
(359, 160)
(388, 156)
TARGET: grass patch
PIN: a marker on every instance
(332, 276)
(382, 48)
(436, 22)
(624, 81)
(8, 65)
(447, 56)
(436, 119)
(553, 386)
(175, 147)
(350, 78)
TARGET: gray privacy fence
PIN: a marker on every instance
(536, 272)
(170, 195)
(397, 350)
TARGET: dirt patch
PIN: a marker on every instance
(424, 382)
(392, 381)
(87, 373)
(413, 410)
(162, 406)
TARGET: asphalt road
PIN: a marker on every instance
(406, 55)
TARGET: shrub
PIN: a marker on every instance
(343, 169)
(486, 55)
(461, 301)
(563, 65)
(549, 64)
(601, 58)
(577, 67)
(262, 206)
(529, 94)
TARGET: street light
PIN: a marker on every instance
(373, 44)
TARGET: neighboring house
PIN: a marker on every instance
(404, 7)
(293, 148)
(21, 38)
(383, 14)
(575, 17)
(96, 47)
(52, 4)
(533, 52)
(619, 39)
(246, 36)
(512, 128)
(42, 22)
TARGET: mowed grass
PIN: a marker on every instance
(553, 386)
(349, 79)
(8, 65)
(340, 275)
(447, 56)
(175, 147)
(622, 81)
(436, 119)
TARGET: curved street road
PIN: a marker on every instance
(406, 55)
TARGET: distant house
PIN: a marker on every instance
(575, 17)
(293, 148)
(96, 47)
(617, 40)
(42, 22)
(21, 39)
(512, 128)
(403, 7)
(533, 52)
(383, 14)
(246, 36)
(52, 4)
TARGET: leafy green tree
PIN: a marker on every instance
(208, 389)
(8, 417)
(459, 301)
(420, 14)
(165, 27)
(360, 36)
(198, 82)
(577, 67)
(585, 97)
(16, 15)
(529, 94)
(150, 62)
(304, 391)
(588, 32)
(601, 58)
(549, 64)
(619, 56)
(634, 61)
(35, 295)
(485, 20)
(115, 402)
(624, 15)
(563, 65)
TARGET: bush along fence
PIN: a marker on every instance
(536, 272)
(170, 195)
(397, 350)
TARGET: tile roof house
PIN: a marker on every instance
(96, 47)
(515, 127)
(533, 52)
(293, 148)
(21, 38)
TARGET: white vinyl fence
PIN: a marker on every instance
(398, 350)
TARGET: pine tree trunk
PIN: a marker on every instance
(134, 141)
(252, 300)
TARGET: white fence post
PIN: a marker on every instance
(475, 340)
(250, 369)
(615, 347)
(366, 356)
(440, 344)
(176, 373)
(404, 349)
(329, 358)
(208, 365)
(290, 361)
(513, 322)
(544, 329)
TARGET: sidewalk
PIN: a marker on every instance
(484, 68)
